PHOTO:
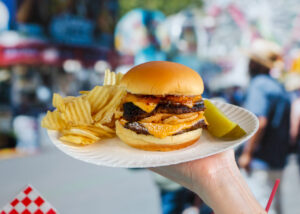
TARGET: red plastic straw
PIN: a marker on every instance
(272, 194)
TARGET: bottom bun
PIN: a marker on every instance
(151, 143)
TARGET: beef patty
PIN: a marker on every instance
(133, 113)
(140, 129)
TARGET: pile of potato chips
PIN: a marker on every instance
(89, 117)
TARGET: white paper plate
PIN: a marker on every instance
(114, 153)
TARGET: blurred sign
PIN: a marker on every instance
(36, 53)
(70, 29)
(25, 52)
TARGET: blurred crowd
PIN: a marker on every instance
(239, 63)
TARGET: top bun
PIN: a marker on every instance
(163, 78)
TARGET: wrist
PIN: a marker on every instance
(227, 192)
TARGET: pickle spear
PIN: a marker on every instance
(219, 125)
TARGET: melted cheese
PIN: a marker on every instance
(147, 107)
(151, 104)
(161, 130)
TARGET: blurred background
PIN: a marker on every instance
(65, 46)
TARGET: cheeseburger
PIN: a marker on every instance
(163, 109)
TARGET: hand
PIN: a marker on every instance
(244, 161)
(190, 174)
(217, 180)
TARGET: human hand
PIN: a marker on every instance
(190, 174)
(217, 181)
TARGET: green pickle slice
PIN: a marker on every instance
(219, 125)
(236, 133)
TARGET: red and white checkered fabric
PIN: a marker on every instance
(29, 201)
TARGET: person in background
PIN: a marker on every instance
(292, 84)
(264, 155)
(295, 125)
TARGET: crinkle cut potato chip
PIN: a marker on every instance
(68, 99)
(99, 97)
(110, 78)
(76, 139)
(73, 116)
(53, 121)
(84, 92)
(58, 102)
(78, 112)
(118, 78)
(81, 132)
(105, 114)
(99, 132)
(105, 129)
